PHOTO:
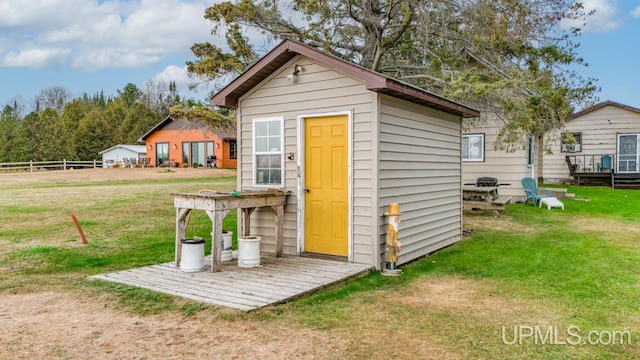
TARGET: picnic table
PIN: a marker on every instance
(484, 197)
(217, 205)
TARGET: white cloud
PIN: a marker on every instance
(174, 73)
(34, 58)
(89, 35)
(636, 12)
(183, 81)
(604, 18)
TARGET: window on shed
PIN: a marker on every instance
(268, 144)
(473, 147)
(571, 142)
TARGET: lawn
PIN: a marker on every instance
(532, 283)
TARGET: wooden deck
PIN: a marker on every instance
(276, 281)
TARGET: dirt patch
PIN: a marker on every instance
(62, 325)
(471, 297)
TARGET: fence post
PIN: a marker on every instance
(94, 164)
(64, 164)
(30, 165)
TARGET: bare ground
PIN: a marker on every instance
(68, 324)
(64, 325)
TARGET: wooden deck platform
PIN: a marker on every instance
(276, 281)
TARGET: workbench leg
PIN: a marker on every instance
(279, 210)
(216, 216)
(181, 226)
(246, 221)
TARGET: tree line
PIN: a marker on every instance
(63, 127)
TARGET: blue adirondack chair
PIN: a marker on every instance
(530, 187)
(605, 163)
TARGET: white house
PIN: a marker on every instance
(605, 145)
(125, 155)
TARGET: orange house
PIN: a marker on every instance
(174, 143)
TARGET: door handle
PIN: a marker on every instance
(307, 190)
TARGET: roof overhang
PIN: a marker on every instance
(601, 105)
(288, 49)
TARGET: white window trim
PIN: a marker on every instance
(481, 159)
(256, 153)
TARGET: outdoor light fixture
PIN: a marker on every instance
(150, 147)
(175, 146)
(296, 69)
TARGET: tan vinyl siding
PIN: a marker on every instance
(419, 168)
(507, 167)
(600, 129)
(317, 90)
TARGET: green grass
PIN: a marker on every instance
(586, 277)
(574, 267)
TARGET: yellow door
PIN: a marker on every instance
(326, 185)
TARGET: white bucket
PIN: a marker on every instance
(192, 259)
(249, 251)
(227, 246)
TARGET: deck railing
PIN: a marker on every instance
(32, 166)
(591, 164)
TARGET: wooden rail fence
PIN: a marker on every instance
(32, 166)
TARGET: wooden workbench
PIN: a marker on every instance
(217, 206)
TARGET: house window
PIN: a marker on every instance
(185, 153)
(162, 154)
(268, 143)
(233, 151)
(571, 142)
(473, 147)
(197, 154)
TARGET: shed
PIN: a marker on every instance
(347, 142)
(123, 154)
(178, 142)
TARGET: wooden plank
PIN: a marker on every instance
(278, 280)
(206, 299)
(180, 287)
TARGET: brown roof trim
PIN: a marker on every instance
(601, 105)
(288, 49)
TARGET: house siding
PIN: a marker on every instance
(318, 90)
(419, 168)
(507, 167)
(223, 156)
(177, 137)
(118, 154)
(599, 130)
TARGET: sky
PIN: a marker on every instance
(93, 46)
